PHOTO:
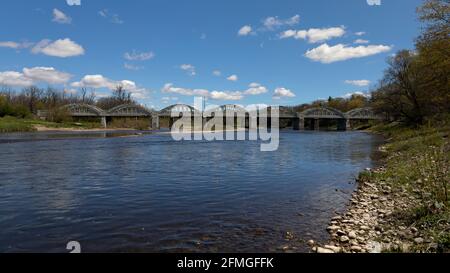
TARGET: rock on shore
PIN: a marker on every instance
(368, 226)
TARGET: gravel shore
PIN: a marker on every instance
(370, 223)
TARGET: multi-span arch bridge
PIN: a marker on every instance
(310, 117)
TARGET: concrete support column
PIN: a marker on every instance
(316, 124)
(103, 121)
(301, 124)
(155, 122)
(348, 124)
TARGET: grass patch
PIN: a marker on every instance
(417, 161)
(12, 124)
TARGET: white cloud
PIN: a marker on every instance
(233, 78)
(139, 56)
(361, 33)
(224, 95)
(60, 17)
(273, 23)
(113, 17)
(357, 93)
(32, 76)
(217, 73)
(361, 41)
(132, 67)
(374, 2)
(189, 68)
(13, 78)
(73, 2)
(314, 35)
(46, 74)
(329, 54)
(256, 89)
(62, 48)
(15, 45)
(99, 81)
(169, 88)
(215, 95)
(245, 30)
(282, 92)
(167, 100)
(360, 83)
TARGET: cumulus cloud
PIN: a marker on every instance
(215, 95)
(217, 73)
(226, 95)
(62, 48)
(60, 17)
(360, 83)
(73, 2)
(32, 76)
(282, 92)
(245, 30)
(314, 35)
(233, 78)
(99, 81)
(47, 75)
(13, 78)
(189, 68)
(361, 33)
(329, 54)
(357, 93)
(170, 88)
(273, 23)
(139, 56)
(255, 89)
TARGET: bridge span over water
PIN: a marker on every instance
(310, 118)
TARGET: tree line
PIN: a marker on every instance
(415, 87)
(30, 100)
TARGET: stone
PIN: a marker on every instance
(311, 242)
(356, 248)
(324, 250)
(344, 239)
(419, 240)
(332, 228)
(352, 235)
(335, 249)
(341, 233)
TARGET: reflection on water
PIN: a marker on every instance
(152, 194)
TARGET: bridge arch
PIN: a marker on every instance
(181, 108)
(362, 113)
(129, 110)
(83, 110)
(322, 113)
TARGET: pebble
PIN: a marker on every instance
(344, 239)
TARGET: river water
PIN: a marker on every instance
(152, 194)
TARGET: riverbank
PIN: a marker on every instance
(404, 205)
(17, 125)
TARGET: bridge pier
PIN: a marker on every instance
(348, 125)
(341, 125)
(316, 124)
(103, 121)
(301, 124)
(155, 122)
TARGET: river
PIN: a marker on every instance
(152, 194)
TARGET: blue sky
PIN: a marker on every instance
(165, 51)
